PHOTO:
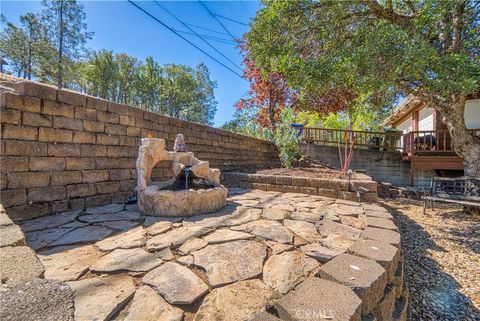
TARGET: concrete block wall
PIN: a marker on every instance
(63, 150)
(382, 166)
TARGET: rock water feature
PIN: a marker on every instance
(193, 189)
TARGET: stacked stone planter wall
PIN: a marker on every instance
(63, 150)
(335, 188)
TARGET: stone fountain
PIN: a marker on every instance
(193, 189)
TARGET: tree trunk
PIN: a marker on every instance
(464, 143)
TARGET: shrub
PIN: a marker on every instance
(286, 138)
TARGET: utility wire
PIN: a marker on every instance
(230, 19)
(185, 39)
(211, 30)
(213, 38)
(196, 34)
(215, 17)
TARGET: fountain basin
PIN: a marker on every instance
(185, 202)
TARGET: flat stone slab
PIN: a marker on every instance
(268, 230)
(366, 277)
(278, 248)
(234, 302)
(381, 223)
(11, 235)
(385, 254)
(337, 242)
(358, 223)
(147, 305)
(176, 237)
(158, 227)
(130, 215)
(306, 216)
(133, 260)
(119, 225)
(83, 235)
(380, 214)
(67, 263)
(319, 299)
(176, 283)
(228, 216)
(226, 235)
(102, 297)
(283, 271)
(275, 214)
(192, 244)
(50, 221)
(125, 240)
(380, 234)
(40, 239)
(229, 262)
(318, 252)
(186, 260)
(342, 209)
(37, 299)
(303, 229)
(18, 264)
(327, 227)
(105, 209)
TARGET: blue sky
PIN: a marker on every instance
(121, 27)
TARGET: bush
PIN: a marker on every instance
(286, 138)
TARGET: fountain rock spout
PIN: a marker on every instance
(200, 193)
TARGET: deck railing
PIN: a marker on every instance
(387, 141)
(430, 141)
(412, 143)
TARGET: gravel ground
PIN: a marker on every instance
(442, 261)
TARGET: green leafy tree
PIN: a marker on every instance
(127, 78)
(66, 27)
(149, 84)
(187, 93)
(26, 46)
(429, 49)
(100, 72)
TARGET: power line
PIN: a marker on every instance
(230, 19)
(185, 39)
(211, 13)
(213, 38)
(211, 30)
(196, 34)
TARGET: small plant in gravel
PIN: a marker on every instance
(287, 216)
(286, 138)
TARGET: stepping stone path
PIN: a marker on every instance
(268, 230)
(134, 260)
(176, 283)
(101, 297)
(229, 262)
(147, 305)
(264, 253)
(68, 263)
(283, 271)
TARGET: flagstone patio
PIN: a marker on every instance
(266, 255)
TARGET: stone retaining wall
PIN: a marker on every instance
(63, 150)
(335, 188)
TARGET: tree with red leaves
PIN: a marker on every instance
(269, 93)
